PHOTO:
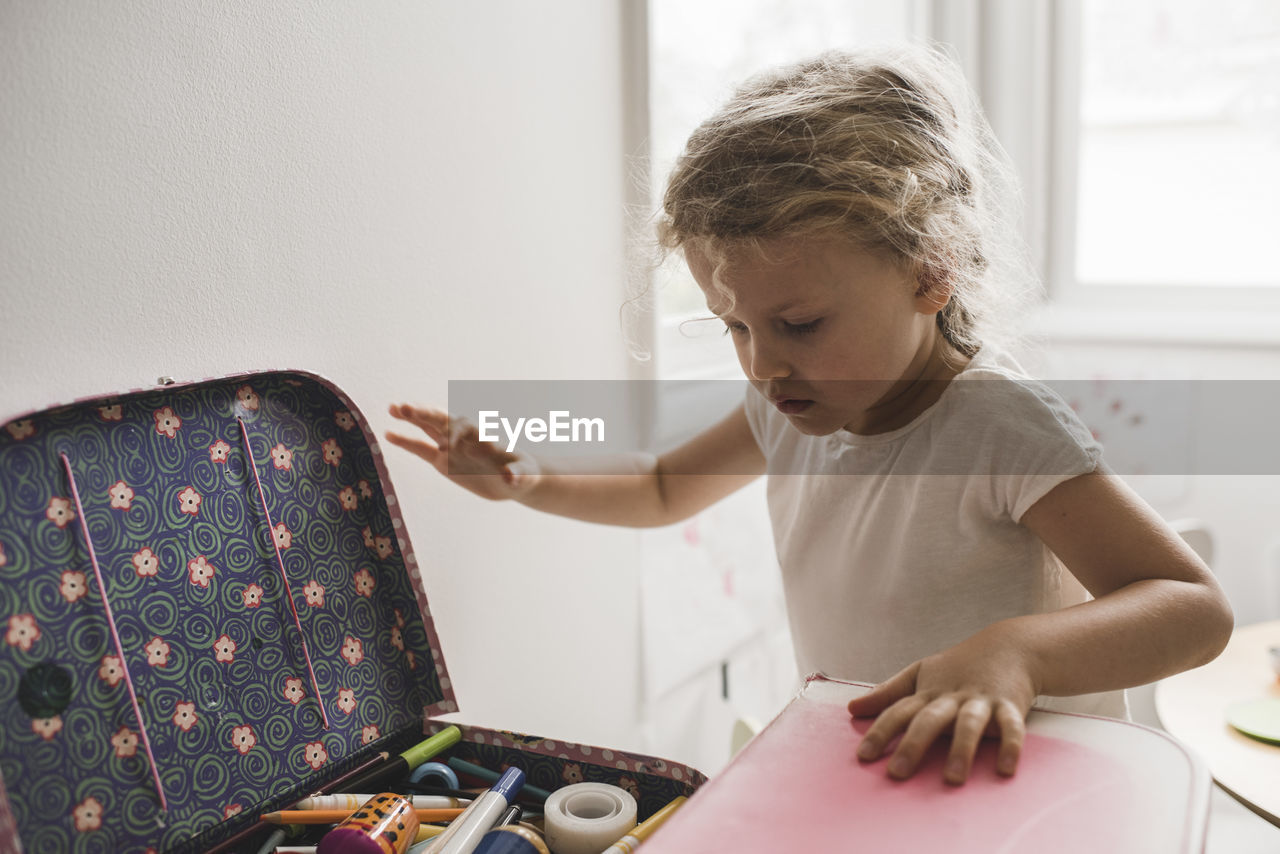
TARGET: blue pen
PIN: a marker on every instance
(464, 833)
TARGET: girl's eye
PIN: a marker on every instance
(734, 328)
(803, 328)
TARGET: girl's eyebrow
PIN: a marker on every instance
(804, 306)
(801, 305)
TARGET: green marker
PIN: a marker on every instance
(399, 766)
(482, 773)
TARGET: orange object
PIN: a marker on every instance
(385, 824)
(338, 816)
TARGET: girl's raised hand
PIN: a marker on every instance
(981, 686)
(457, 453)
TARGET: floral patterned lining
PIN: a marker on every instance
(208, 635)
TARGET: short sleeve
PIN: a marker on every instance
(1035, 442)
(1048, 444)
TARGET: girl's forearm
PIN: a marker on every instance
(1137, 634)
(624, 489)
(642, 490)
(634, 490)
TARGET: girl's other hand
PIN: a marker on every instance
(455, 450)
(979, 687)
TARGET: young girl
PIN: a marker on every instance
(842, 218)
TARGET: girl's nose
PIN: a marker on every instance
(766, 362)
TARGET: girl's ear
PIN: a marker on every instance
(933, 291)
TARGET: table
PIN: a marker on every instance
(1192, 707)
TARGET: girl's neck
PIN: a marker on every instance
(928, 376)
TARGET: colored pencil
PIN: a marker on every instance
(642, 831)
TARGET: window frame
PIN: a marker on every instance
(1117, 312)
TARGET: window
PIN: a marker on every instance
(1163, 157)
(1178, 143)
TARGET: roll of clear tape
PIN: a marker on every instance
(587, 818)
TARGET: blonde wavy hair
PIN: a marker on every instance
(888, 149)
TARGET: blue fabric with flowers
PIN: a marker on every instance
(206, 624)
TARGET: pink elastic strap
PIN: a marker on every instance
(115, 636)
(288, 594)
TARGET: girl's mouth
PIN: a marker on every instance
(791, 406)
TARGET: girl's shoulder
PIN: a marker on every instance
(1019, 433)
(995, 376)
(995, 392)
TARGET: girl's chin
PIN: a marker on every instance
(812, 426)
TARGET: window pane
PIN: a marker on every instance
(1179, 145)
(701, 50)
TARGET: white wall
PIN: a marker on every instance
(1241, 511)
(392, 194)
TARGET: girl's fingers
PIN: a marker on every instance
(925, 727)
(901, 684)
(971, 723)
(421, 414)
(433, 422)
(426, 450)
(460, 435)
(891, 721)
(1013, 731)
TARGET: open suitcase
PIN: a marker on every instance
(264, 628)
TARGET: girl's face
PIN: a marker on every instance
(835, 336)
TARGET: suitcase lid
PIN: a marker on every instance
(1083, 783)
(221, 669)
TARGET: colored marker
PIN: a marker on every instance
(479, 772)
(399, 766)
(387, 824)
(336, 816)
(351, 803)
(428, 831)
(464, 833)
(640, 832)
(273, 840)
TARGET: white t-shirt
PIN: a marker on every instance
(898, 545)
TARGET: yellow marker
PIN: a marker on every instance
(640, 832)
(426, 831)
